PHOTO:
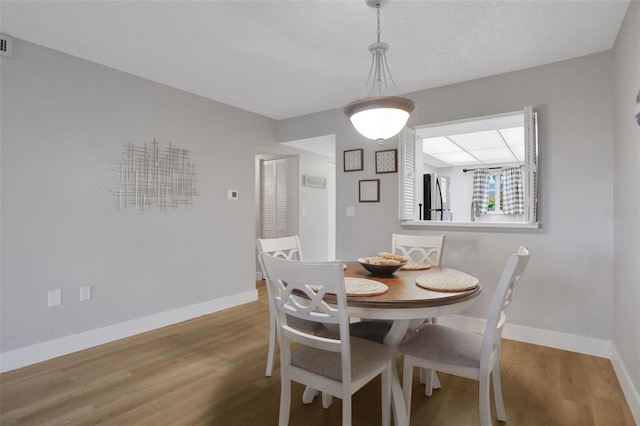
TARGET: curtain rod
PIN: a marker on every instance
(488, 168)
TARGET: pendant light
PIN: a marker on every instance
(379, 115)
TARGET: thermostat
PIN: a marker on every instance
(232, 194)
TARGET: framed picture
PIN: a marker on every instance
(353, 160)
(387, 161)
(369, 191)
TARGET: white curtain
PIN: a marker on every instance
(480, 191)
(512, 191)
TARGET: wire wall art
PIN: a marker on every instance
(153, 177)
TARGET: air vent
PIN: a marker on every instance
(6, 46)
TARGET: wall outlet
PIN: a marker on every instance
(85, 293)
(54, 298)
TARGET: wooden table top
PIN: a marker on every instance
(404, 292)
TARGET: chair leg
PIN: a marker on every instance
(428, 382)
(308, 395)
(346, 410)
(386, 396)
(407, 380)
(436, 381)
(327, 398)
(484, 401)
(497, 393)
(285, 401)
(271, 355)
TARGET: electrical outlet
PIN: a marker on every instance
(85, 293)
(54, 298)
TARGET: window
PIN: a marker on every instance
(496, 183)
(447, 149)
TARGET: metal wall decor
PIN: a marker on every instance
(369, 191)
(154, 177)
(387, 161)
(353, 160)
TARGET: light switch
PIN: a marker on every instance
(54, 298)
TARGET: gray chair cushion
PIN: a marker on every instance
(365, 355)
(446, 345)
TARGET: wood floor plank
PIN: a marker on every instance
(210, 371)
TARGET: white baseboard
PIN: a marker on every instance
(631, 392)
(39, 352)
(553, 339)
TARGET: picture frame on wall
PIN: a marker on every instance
(369, 190)
(353, 160)
(387, 161)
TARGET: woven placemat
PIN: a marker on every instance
(415, 266)
(447, 281)
(361, 287)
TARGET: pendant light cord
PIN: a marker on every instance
(378, 14)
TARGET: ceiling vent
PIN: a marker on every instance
(6, 46)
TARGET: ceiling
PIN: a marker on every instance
(283, 59)
(492, 140)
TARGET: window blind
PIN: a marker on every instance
(274, 198)
(407, 180)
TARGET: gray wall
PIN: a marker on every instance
(568, 284)
(64, 120)
(626, 206)
(315, 202)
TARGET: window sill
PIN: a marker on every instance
(440, 224)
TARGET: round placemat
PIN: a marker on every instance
(415, 266)
(363, 287)
(447, 281)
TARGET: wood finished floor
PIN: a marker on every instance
(210, 371)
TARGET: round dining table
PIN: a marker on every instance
(407, 305)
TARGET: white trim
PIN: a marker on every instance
(631, 393)
(39, 352)
(537, 336)
(445, 224)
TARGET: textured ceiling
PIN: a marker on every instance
(283, 59)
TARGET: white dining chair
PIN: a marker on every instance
(286, 248)
(419, 248)
(426, 249)
(466, 354)
(336, 364)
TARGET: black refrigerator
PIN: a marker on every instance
(436, 197)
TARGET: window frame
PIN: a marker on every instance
(408, 149)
